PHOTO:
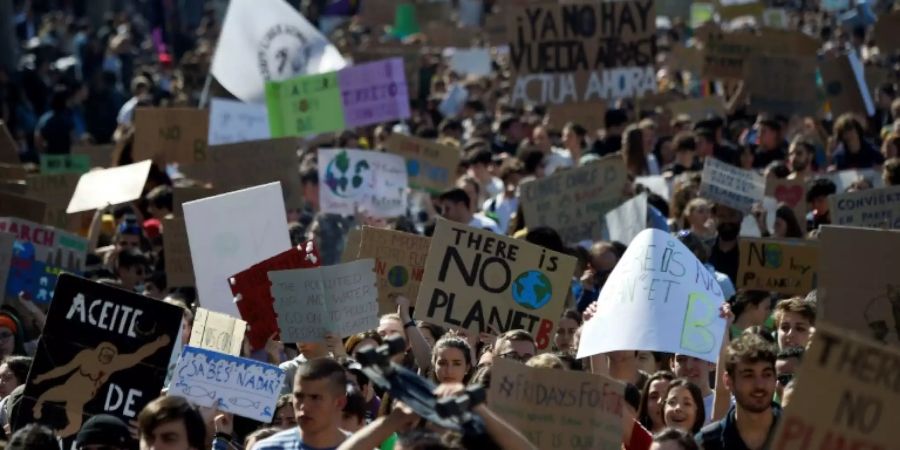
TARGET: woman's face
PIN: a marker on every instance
(655, 393)
(699, 216)
(450, 365)
(565, 333)
(284, 417)
(679, 410)
(793, 331)
(8, 380)
(7, 342)
(646, 362)
(780, 227)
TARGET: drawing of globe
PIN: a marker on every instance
(398, 276)
(344, 178)
(532, 289)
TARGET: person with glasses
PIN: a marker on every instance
(517, 345)
(11, 340)
(104, 432)
(786, 364)
(602, 262)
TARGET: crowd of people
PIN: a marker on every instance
(78, 81)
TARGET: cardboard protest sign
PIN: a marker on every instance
(660, 298)
(229, 232)
(572, 52)
(356, 96)
(7, 240)
(475, 279)
(184, 194)
(786, 266)
(351, 245)
(845, 85)
(173, 134)
(590, 115)
(40, 253)
(240, 386)
(31, 209)
(56, 190)
(790, 192)
(231, 121)
(782, 84)
(429, 166)
(726, 54)
(876, 208)
(627, 220)
(731, 186)
(179, 268)
(732, 9)
(699, 108)
(399, 263)
(842, 179)
(103, 350)
(112, 186)
(98, 155)
(846, 395)
(471, 61)
(574, 201)
(217, 332)
(339, 299)
(686, 58)
(862, 296)
(371, 181)
(885, 32)
(9, 150)
(558, 409)
(251, 289)
(12, 172)
(72, 163)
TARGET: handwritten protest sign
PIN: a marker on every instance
(231, 121)
(218, 332)
(98, 155)
(726, 54)
(103, 350)
(174, 134)
(558, 409)
(842, 179)
(40, 254)
(660, 298)
(790, 192)
(574, 201)
(429, 166)
(590, 115)
(885, 32)
(475, 279)
(731, 186)
(339, 299)
(846, 395)
(179, 268)
(13, 205)
(9, 150)
(787, 266)
(226, 237)
(371, 181)
(399, 263)
(575, 52)
(627, 220)
(356, 96)
(845, 85)
(231, 384)
(861, 296)
(251, 290)
(876, 208)
(51, 164)
(112, 186)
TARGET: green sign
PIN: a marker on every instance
(701, 13)
(53, 164)
(305, 105)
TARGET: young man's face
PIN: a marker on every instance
(170, 435)
(793, 331)
(517, 350)
(694, 369)
(452, 210)
(798, 158)
(317, 406)
(753, 385)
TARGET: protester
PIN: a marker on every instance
(171, 423)
(683, 406)
(795, 320)
(650, 412)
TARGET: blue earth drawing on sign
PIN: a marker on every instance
(341, 180)
(532, 289)
(398, 276)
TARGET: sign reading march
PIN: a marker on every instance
(399, 263)
(558, 409)
(847, 395)
(876, 208)
(787, 266)
(475, 279)
(659, 297)
(371, 181)
(574, 201)
(582, 51)
(103, 350)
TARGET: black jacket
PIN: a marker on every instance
(724, 434)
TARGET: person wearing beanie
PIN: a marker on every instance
(105, 431)
(11, 338)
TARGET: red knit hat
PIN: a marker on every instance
(8, 322)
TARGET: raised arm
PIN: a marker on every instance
(62, 370)
(125, 361)
(504, 434)
(721, 396)
(420, 348)
(372, 435)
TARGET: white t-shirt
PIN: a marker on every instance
(482, 222)
(503, 207)
(557, 158)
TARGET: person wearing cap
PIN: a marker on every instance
(104, 432)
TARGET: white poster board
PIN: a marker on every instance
(228, 233)
(470, 61)
(731, 186)
(112, 186)
(231, 121)
(628, 220)
(658, 298)
(374, 182)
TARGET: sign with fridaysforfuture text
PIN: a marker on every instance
(112, 186)
(574, 201)
(429, 166)
(731, 186)
(254, 298)
(790, 192)
(170, 134)
(846, 395)
(399, 263)
(13, 205)
(875, 208)
(482, 281)
(103, 350)
(356, 96)
(659, 297)
(72, 163)
(179, 268)
(558, 409)
(576, 51)
(339, 299)
(370, 181)
(217, 332)
(240, 386)
(858, 288)
(231, 121)
(229, 232)
(786, 266)
(40, 254)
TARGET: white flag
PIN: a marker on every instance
(268, 40)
